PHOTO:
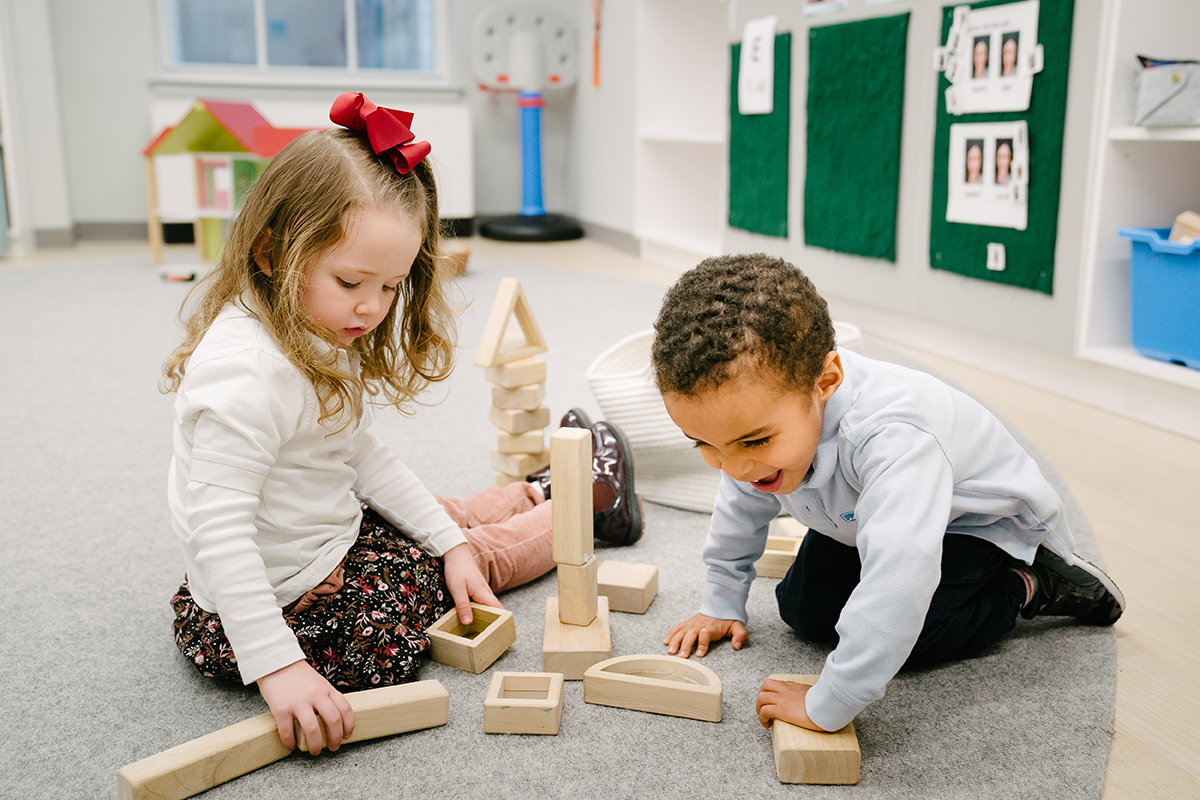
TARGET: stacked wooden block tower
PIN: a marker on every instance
(577, 633)
(519, 380)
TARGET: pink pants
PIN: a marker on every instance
(508, 529)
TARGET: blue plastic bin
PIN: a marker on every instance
(1164, 287)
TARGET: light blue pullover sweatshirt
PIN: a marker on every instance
(903, 459)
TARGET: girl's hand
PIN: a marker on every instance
(466, 582)
(784, 700)
(702, 631)
(297, 692)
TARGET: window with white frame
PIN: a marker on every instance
(329, 34)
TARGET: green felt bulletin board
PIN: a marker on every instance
(855, 116)
(1029, 254)
(758, 152)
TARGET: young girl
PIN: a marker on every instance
(316, 559)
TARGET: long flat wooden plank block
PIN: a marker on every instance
(804, 756)
(657, 684)
(199, 765)
(571, 649)
(571, 484)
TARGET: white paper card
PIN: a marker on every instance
(756, 67)
(818, 6)
(995, 54)
(989, 174)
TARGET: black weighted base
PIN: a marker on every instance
(539, 228)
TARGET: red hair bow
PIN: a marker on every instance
(387, 129)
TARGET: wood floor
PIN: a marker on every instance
(1139, 487)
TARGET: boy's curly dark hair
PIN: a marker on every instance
(734, 305)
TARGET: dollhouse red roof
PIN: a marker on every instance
(222, 126)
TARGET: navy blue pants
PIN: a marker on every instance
(975, 604)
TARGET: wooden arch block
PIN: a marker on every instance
(655, 683)
(804, 756)
(494, 349)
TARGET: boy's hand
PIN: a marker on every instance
(297, 692)
(466, 582)
(784, 700)
(702, 631)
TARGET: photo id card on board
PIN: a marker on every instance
(990, 57)
(989, 174)
(756, 67)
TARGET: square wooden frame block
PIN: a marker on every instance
(476, 646)
(571, 649)
(630, 588)
(524, 702)
(804, 756)
(779, 556)
(655, 683)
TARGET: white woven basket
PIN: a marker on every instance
(669, 469)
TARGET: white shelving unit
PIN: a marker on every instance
(1140, 177)
(682, 57)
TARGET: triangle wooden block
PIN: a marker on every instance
(494, 350)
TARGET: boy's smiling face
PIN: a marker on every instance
(755, 429)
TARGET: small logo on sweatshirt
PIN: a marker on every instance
(848, 517)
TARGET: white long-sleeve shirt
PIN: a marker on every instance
(265, 501)
(903, 459)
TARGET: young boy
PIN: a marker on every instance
(930, 528)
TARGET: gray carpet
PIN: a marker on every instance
(91, 680)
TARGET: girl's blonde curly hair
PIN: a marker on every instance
(297, 211)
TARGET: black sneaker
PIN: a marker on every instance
(1081, 590)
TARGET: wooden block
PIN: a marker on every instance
(777, 559)
(472, 647)
(1186, 227)
(655, 683)
(514, 420)
(577, 593)
(629, 587)
(804, 756)
(495, 347)
(523, 702)
(517, 373)
(525, 397)
(211, 760)
(519, 463)
(571, 649)
(528, 442)
(504, 479)
(571, 479)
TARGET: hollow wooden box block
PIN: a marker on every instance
(523, 702)
(571, 649)
(517, 373)
(199, 765)
(630, 588)
(514, 420)
(655, 683)
(577, 593)
(472, 647)
(804, 756)
(779, 556)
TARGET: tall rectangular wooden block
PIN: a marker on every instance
(577, 592)
(571, 483)
(571, 649)
(804, 756)
(527, 397)
(523, 702)
(472, 647)
(517, 373)
(514, 420)
(629, 587)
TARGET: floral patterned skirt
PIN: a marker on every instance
(369, 633)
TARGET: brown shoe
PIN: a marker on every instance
(618, 520)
